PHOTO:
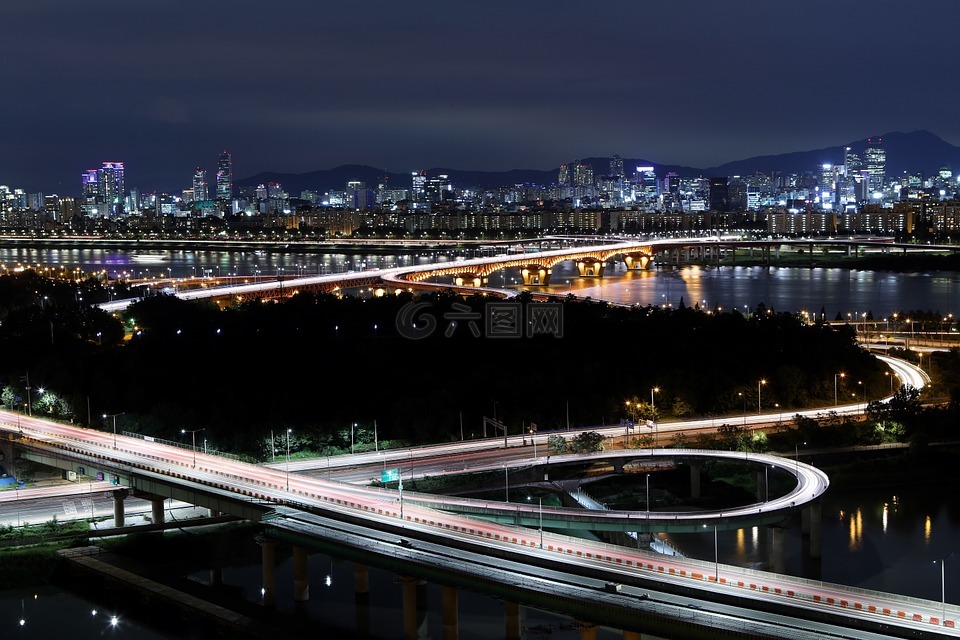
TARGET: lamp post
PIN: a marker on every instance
(863, 396)
(114, 416)
(288, 458)
(836, 400)
(796, 455)
(648, 496)
(506, 484)
(353, 425)
(716, 556)
(760, 384)
(193, 440)
(740, 393)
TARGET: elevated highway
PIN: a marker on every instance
(280, 500)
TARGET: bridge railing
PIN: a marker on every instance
(182, 445)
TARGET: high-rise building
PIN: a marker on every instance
(112, 186)
(418, 189)
(719, 194)
(225, 177)
(616, 166)
(103, 189)
(199, 184)
(564, 178)
(875, 163)
(582, 175)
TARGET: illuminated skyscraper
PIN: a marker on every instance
(199, 184)
(224, 177)
(112, 186)
(418, 189)
(564, 178)
(875, 162)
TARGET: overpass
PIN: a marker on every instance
(281, 500)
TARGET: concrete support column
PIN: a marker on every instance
(268, 554)
(118, 512)
(762, 485)
(448, 598)
(511, 614)
(156, 510)
(301, 575)
(779, 555)
(414, 608)
(588, 630)
(361, 593)
(815, 517)
(695, 479)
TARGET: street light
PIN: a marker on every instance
(288, 458)
(943, 588)
(648, 496)
(193, 439)
(836, 401)
(760, 384)
(780, 410)
(716, 556)
(796, 454)
(740, 393)
(114, 416)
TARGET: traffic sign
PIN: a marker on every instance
(390, 475)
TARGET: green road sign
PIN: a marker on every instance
(390, 475)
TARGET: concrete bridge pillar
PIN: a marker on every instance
(361, 592)
(588, 630)
(414, 608)
(511, 614)
(118, 512)
(776, 253)
(448, 598)
(156, 509)
(762, 485)
(814, 517)
(535, 275)
(695, 479)
(470, 280)
(779, 555)
(268, 558)
(590, 268)
(637, 261)
(301, 575)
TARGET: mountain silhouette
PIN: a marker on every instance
(916, 152)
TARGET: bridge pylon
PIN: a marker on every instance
(590, 267)
(536, 275)
(637, 261)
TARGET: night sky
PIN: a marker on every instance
(302, 85)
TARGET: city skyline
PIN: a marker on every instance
(492, 87)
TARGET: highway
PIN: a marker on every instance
(381, 508)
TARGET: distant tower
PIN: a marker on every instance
(418, 187)
(616, 166)
(719, 194)
(875, 162)
(224, 177)
(564, 178)
(199, 184)
(112, 187)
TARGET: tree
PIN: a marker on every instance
(557, 444)
(587, 442)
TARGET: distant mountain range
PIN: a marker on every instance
(915, 152)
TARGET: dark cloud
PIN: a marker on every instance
(299, 85)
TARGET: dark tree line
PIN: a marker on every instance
(318, 365)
